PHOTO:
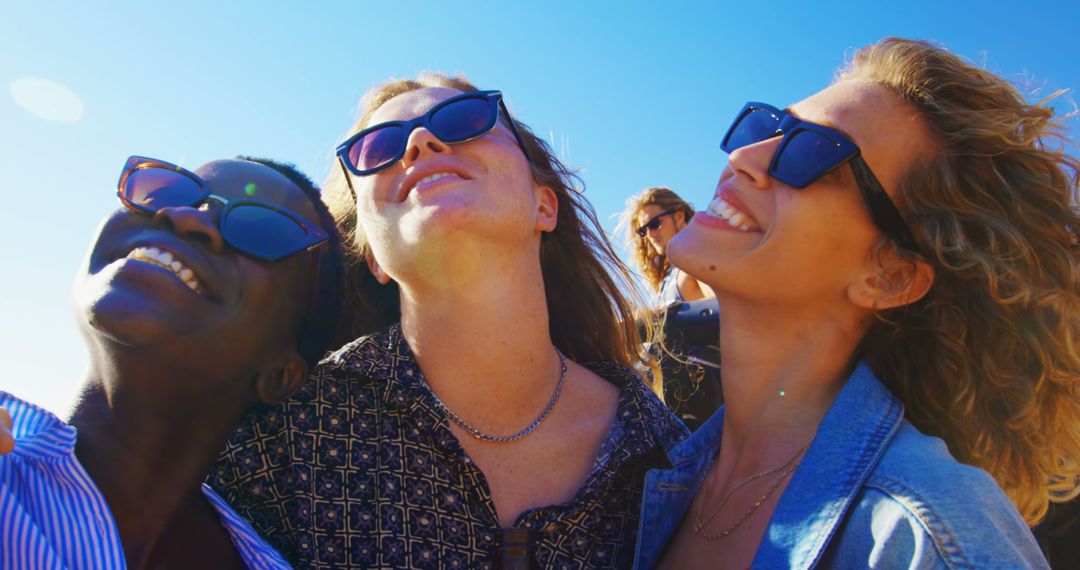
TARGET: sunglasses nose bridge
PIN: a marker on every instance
(198, 223)
(753, 161)
(420, 141)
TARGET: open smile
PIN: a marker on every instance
(721, 209)
(428, 177)
(169, 261)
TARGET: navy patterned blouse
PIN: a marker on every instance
(360, 469)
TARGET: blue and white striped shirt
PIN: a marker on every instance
(52, 515)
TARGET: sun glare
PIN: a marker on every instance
(47, 100)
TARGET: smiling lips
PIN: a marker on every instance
(166, 260)
(432, 178)
(720, 209)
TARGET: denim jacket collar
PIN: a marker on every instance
(849, 443)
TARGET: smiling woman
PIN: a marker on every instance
(435, 437)
(189, 323)
(896, 261)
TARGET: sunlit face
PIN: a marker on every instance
(218, 306)
(416, 213)
(669, 225)
(762, 239)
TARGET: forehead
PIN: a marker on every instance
(238, 179)
(889, 132)
(649, 210)
(412, 104)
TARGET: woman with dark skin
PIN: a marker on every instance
(186, 333)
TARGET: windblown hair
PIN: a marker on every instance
(590, 317)
(989, 360)
(652, 264)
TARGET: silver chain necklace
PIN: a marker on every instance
(513, 437)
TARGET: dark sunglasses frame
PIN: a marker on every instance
(882, 209)
(313, 235)
(496, 105)
(653, 223)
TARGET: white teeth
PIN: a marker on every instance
(166, 260)
(721, 209)
(435, 176)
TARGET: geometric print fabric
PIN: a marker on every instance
(360, 469)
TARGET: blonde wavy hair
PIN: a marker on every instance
(591, 319)
(652, 264)
(989, 359)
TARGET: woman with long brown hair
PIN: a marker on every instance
(651, 218)
(468, 421)
(901, 304)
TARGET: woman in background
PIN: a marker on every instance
(650, 220)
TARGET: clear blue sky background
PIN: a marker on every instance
(632, 93)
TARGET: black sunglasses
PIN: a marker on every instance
(262, 230)
(809, 151)
(653, 224)
(455, 120)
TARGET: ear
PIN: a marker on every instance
(892, 282)
(547, 210)
(680, 219)
(375, 268)
(276, 383)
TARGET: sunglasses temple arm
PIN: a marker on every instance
(882, 209)
(513, 127)
(348, 178)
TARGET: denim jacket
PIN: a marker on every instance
(871, 491)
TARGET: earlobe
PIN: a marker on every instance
(375, 268)
(275, 384)
(893, 282)
(547, 209)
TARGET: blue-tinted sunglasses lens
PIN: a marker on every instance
(463, 119)
(755, 126)
(155, 188)
(805, 157)
(262, 232)
(377, 148)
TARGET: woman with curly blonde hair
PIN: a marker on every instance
(650, 220)
(901, 309)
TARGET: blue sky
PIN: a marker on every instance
(631, 93)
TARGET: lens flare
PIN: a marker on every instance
(249, 189)
(47, 100)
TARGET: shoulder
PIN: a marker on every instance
(640, 412)
(921, 507)
(38, 433)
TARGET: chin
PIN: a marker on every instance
(692, 255)
(105, 309)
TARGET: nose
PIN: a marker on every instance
(752, 161)
(196, 224)
(422, 142)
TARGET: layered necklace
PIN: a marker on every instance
(700, 521)
(512, 437)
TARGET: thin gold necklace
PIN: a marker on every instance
(699, 524)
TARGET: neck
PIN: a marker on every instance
(147, 448)
(779, 379)
(484, 346)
